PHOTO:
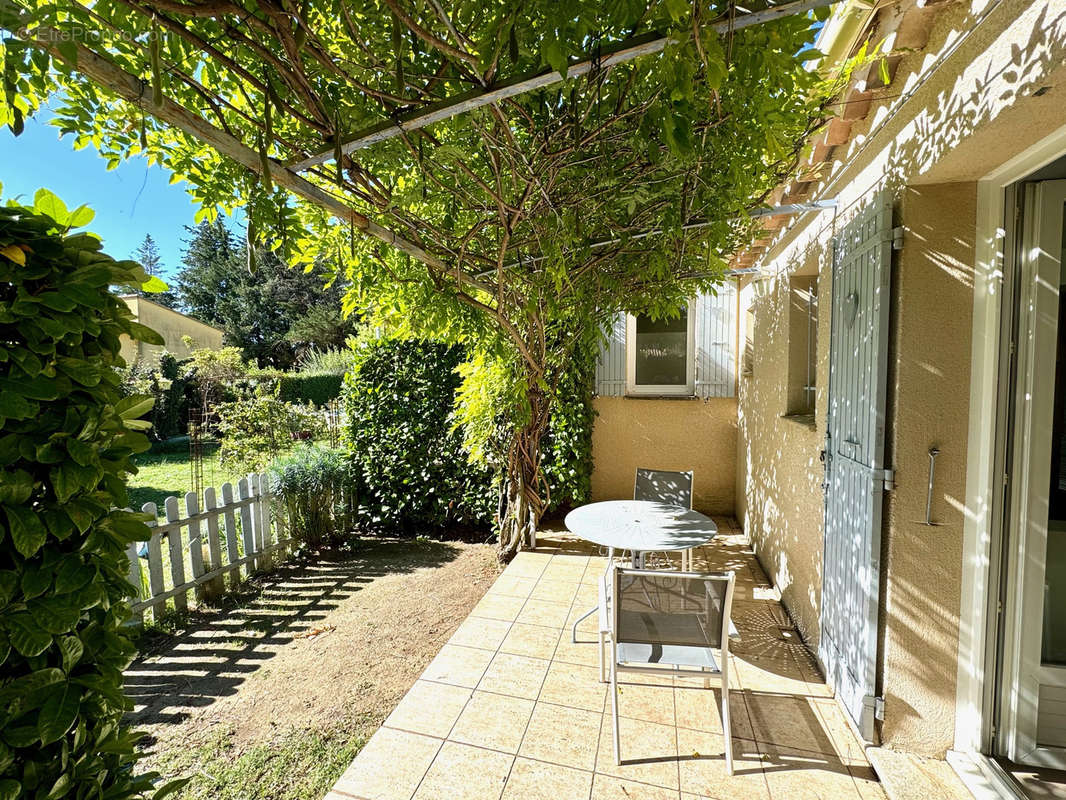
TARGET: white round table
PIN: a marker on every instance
(640, 526)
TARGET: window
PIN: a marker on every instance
(660, 354)
(802, 345)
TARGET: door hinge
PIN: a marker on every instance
(879, 708)
(897, 238)
(1006, 479)
(887, 477)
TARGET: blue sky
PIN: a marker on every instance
(130, 200)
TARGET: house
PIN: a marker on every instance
(900, 403)
(173, 326)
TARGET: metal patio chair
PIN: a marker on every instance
(666, 486)
(665, 622)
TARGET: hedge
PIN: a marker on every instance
(67, 439)
(317, 389)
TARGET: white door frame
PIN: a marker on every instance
(983, 479)
(1028, 529)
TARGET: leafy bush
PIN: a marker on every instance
(413, 470)
(317, 389)
(167, 384)
(65, 447)
(326, 362)
(566, 450)
(255, 431)
(316, 487)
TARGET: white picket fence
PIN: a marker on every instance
(196, 553)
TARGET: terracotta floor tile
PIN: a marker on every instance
(644, 702)
(575, 686)
(605, 787)
(584, 652)
(562, 735)
(459, 666)
(564, 572)
(794, 774)
(429, 708)
(544, 612)
(554, 591)
(460, 772)
(535, 780)
(517, 676)
(514, 585)
(703, 772)
(570, 558)
(481, 632)
(499, 606)
(648, 752)
(530, 640)
(788, 721)
(527, 565)
(700, 709)
(390, 766)
(866, 782)
(846, 744)
(495, 721)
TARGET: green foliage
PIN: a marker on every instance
(326, 362)
(316, 486)
(255, 430)
(566, 451)
(315, 389)
(68, 435)
(273, 315)
(167, 384)
(413, 470)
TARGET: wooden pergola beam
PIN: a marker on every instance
(134, 90)
(647, 44)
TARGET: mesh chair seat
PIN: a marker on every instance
(668, 655)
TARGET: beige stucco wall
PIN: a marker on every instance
(958, 110)
(172, 326)
(674, 434)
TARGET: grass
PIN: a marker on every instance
(162, 475)
(298, 765)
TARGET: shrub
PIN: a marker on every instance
(167, 384)
(316, 487)
(326, 362)
(316, 389)
(566, 451)
(65, 447)
(255, 431)
(413, 471)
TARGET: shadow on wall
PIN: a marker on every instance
(784, 474)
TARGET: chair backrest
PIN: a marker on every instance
(663, 486)
(671, 608)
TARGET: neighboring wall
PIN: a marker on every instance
(172, 326)
(675, 434)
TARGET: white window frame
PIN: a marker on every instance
(644, 390)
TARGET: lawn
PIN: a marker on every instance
(162, 475)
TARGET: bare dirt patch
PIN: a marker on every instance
(271, 697)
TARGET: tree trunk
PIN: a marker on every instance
(525, 503)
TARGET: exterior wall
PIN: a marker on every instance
(780, 472)
(957, 110)
(675, 434)
(929, 381)
(172, 326)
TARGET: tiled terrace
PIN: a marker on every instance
(512, 709)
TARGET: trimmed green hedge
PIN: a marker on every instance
(67, 439)
(317, 389)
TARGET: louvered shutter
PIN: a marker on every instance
(611, 365)
(716, 342)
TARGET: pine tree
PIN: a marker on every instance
(147, 255)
